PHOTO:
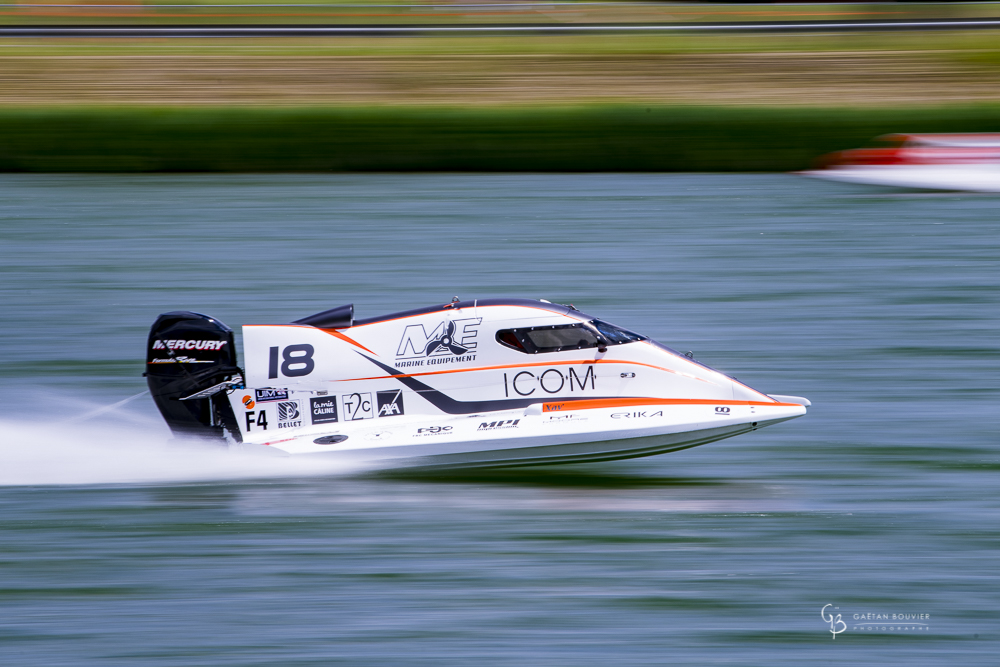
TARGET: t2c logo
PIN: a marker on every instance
(296, 361)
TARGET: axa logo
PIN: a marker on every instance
(390, 403)
(493, 426)
(189, 344)
(450, 338)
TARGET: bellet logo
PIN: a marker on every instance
(288, 410)
(289, 415)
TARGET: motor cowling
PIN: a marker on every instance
(190, 358)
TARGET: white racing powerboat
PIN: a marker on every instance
(962, 162)
(493, 382)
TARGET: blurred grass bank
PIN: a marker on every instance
(398, 138)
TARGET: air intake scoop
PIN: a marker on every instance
(335, 318)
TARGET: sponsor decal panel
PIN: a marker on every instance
(189, 344)
(323, 409)
(181, 360)
(432, 430)
(564, 418)
(286, 414)
(390, 403)
(357, 406)
(643, 414)
(255, 420)
(449, 342)
(268, 394)
(549, 381)
(498, 425)
(289, 415)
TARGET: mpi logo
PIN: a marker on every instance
(497, 425)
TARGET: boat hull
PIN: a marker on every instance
(580, 452)
(526, 438)
(966, 178)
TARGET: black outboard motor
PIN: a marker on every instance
(190, 365)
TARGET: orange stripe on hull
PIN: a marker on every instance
(347, 339)
(592, 404)
(529, 365)
(332, 332)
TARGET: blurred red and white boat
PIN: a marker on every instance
(968, 162)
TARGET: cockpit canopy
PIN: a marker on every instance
(563, 337)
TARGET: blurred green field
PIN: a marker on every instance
(890, 70)
(653, 102)
(540, 139)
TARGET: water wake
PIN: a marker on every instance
(93, 414)
(129, 451)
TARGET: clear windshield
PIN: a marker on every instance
(559, 338)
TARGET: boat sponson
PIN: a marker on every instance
(580, 452)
